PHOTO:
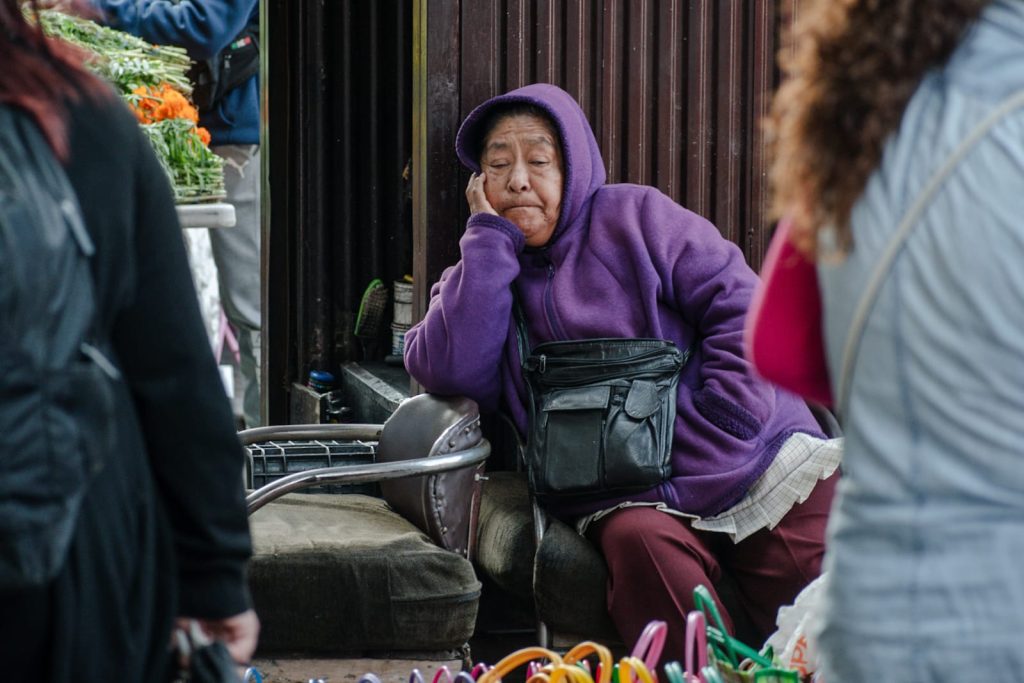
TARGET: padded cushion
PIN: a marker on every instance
(505, 545)
(346, 574)
(445, 505)
(567, 572)
(571, 582)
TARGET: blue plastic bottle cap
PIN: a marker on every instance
(321, 376)
(320, 380)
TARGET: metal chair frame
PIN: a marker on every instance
(349, 474)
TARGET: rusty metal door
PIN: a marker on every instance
(674, 89)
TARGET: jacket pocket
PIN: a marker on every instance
(731, 418)
(572, 423)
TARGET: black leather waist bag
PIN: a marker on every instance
(601, 416)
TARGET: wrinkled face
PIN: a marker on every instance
(522, 161)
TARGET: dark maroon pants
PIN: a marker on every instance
(655, 560)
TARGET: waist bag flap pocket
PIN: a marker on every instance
(643, 399)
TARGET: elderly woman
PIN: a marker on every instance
(751, 483)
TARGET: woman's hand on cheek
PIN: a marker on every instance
(475, 195)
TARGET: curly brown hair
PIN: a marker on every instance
(849, 73)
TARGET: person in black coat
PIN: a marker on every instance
(162, 533)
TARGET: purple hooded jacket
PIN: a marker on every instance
(624, 261)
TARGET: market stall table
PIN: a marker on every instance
(213, 215)
(204, 275)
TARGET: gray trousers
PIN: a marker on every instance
(236, 251)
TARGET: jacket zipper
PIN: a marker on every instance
(542, 368)
(548, 382)
(615, 361)
(549, 303)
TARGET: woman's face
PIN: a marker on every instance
(522, 162)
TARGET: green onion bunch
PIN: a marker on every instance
(129, 63)
(123, 59)
(196, 173)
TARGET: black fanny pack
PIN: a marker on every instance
(601, 415)
(212, 79)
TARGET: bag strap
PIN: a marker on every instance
(899, 238)
(523, 344)
(522, 336)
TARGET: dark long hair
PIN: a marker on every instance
(853, 68)
(39, 74)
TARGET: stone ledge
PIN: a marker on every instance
(374, 389)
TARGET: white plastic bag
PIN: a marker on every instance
(794, 641)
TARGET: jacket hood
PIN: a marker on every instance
(584, 168)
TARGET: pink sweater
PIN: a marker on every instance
(783, 335)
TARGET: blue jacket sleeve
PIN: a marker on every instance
(457, 348)
(203, 27)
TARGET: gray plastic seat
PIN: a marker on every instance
(559, 572)
(360, 575)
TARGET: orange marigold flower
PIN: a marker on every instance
(145, 105)
(179, 105)
(163, 102)
(204, 135)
